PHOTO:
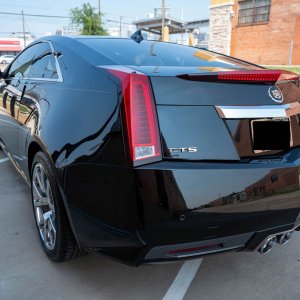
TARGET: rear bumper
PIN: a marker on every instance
(251, 241)
(155, 253)
(157, 212)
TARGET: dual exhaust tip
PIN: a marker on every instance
(280, 239)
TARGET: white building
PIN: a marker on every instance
(69, 30)
(121, 31)
(25, 39)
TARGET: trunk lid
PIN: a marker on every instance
(205, 120)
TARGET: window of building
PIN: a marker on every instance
(254, 11)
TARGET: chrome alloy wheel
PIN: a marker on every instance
(43, 205)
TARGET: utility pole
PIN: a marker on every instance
(23, 23)
(182, 11)
(120, 26)
(99, 9)
(163, 20)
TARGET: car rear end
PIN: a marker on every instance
(214, 147)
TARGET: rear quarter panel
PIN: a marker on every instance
(78, 117)
(77, 123)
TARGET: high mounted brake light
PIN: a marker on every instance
(242, 76)
(140, 116)
(250, 76)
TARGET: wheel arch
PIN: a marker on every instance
(33, 148)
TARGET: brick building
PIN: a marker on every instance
(261, 31)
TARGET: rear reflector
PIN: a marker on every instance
(140, 115)
(193, 249)
(242, 76)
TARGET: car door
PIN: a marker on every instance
(11, 92)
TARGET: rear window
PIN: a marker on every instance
(154, 53)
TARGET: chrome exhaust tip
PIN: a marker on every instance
(284, 238)
(268, 245)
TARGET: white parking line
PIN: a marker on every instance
(183, 280)
(3, 160)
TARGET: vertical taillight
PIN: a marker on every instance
(140, 116)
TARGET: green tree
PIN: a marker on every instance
(87, 17)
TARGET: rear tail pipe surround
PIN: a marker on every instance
(284, 238)
(281, 239)
(268, 244)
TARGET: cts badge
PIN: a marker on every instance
(275, 94)
(185, 149)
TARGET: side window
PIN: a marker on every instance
(35, 62)
(21, 66)
(44, 67)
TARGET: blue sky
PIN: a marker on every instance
(130, 10)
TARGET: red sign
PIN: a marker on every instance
(9, 42)
(12, 45)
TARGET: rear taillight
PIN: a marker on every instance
(140, 116)
(243, 76)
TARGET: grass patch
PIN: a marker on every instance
(287, 68)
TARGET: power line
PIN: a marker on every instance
(34, 15)
(60, 17)
(106, 13)
(33, 7)
(115, 21)
(60, 9)
(51, 19)
(6, 23)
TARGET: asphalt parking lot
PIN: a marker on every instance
(26, 273)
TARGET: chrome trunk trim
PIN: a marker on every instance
(256, 112)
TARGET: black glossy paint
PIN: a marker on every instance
(195, 126)
(221, 190)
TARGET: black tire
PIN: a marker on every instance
(4, 62)
(66, 247)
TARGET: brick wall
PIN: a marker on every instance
(269, 43)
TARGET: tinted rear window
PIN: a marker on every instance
(153, 53)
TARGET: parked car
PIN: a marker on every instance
(6, 59)
(149, 151)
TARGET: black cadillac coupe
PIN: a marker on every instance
(149, 151)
